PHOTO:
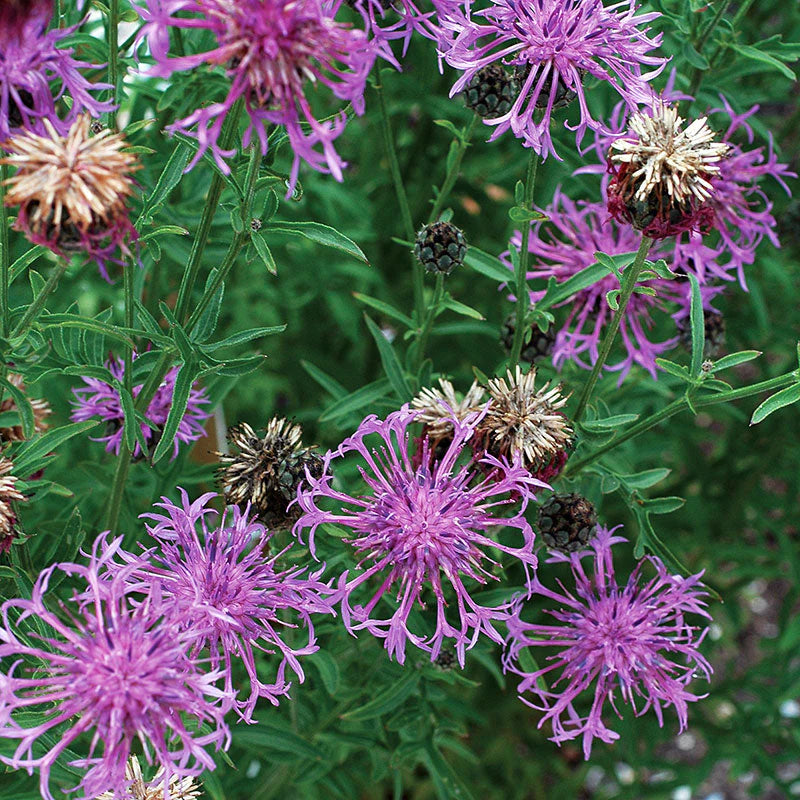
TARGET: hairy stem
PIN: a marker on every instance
(629, 278)
(38, 302)
(521, 291)
(189, 277)
(418, 275)
(675, 407)
(455, 167)
(697, 73)
(427, 326)
(113, 56)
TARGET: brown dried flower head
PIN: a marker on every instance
(41, 411)
(267, 470)
(179, 788)
(72, 190)
(437, 407)
(8, 494)
(525, 420)
(663, 171)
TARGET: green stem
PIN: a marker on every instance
(523, 299)
(127, 288)
(38, 302)
(697, 72)
(629, 278)
(239, 240)
(430, 316)
(675, 407)
(113, 56)
(455, 168)
(5, 259)
(189, 276)
(402, 197)
(157, 374)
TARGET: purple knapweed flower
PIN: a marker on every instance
(270, 50)
(100, 399)
(107, 670)
(551, 45)
(35, 72)
(742, 210)
(228, 592)
(566, 243)
(633, 639)
(418, 529)
(400, 20)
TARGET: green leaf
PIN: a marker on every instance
(448, 126)
(163, 230)
(321, 234)
(264, 253)
(34, 454)
(24, 261)
(328, 383)
(387, 700)
(391, 364)
(328, 670)
(693, 57)
(521, 215)
(558, 292)
(487, 265)
(734, 359)
(84, 323)
(754, 54)
(698, 327)
(461, 308)
(384, 308)
(664, 505)
(609, 423)
(207, 323)
(180, 397)
(645, 479)
(612, 298)
(357, 400)
(170, 177)
(671, 368)
(243, 336)
(266, 736)
(23, 405)
(785, 397)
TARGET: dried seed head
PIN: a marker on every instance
(8, 494)
(267, 471)
(662, 173)
(567, 522)
(179, 788)
(714, 333)
(41, 410)
(526, 421)
(437, 408)
(72, 190)
(491, 92)
(538, 348)
(440, 247)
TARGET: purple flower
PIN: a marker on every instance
(32, 64)
(566, 243)
(400, 19)
(100, 399)
(634, 639)
(106, 670)
(742, 210)
(551, 45)
(420, 528)
(269, 49)
(227, 592)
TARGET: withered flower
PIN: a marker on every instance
(8, 494)
(72, 190)
(179, 788)
(525, 421)
(662, 173)
(267, 470)
(41, 410)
